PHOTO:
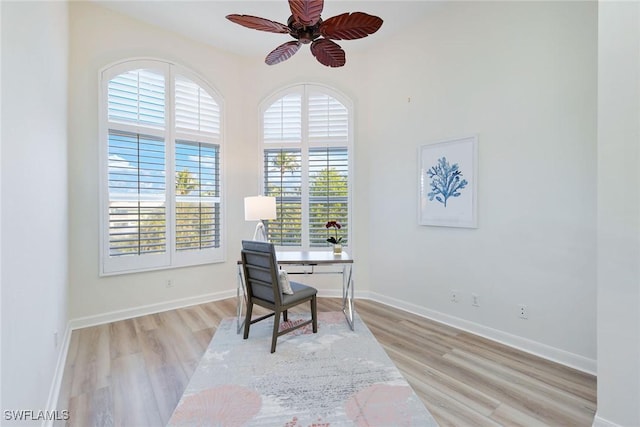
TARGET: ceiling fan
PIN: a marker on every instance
(306, 26)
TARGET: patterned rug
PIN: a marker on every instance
(336, 377)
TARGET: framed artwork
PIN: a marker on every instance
(448, 183)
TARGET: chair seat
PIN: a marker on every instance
(300, 292)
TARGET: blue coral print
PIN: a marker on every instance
(446, 181)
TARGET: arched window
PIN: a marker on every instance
(307, 139)
(161, 188)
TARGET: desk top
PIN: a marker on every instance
(312, 257)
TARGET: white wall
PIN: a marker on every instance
(522, 76)
(618, 213)
(100, 37)
(34, 199)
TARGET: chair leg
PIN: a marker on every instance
(285, 316)
(314, 314)
(276, 326)
(247, 320)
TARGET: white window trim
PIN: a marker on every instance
(171, 259)
(303, 89)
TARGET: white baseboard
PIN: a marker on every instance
(601, 422)
(56, 384)
(542, 350)
(114, 316)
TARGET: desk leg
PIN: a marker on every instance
(241, 296)
(347, 294)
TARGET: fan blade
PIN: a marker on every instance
(256, 23)
(306, 12)
(350, 26)
(282, 52)
(328, 53)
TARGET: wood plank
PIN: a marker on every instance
(523, 395)
(92, 362)
(134, 402)
(454, 388)
(101, 408)
(577, 382)
(168, 383)
(184, 343)
(157, 349)
(80, 409)
(146, 323)
(124, 338)
(192, 317)
(507, 415)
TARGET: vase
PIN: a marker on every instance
(337, 249)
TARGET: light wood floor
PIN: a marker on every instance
(132, 373)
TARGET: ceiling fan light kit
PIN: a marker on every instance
(307, 27)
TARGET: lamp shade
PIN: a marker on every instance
(259, 207)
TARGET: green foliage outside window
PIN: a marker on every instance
(327, 194)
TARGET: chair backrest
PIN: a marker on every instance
(261, 271)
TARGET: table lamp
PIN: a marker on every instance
(259, 208)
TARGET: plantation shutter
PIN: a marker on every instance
(197, 196)
(137, 98)
(197, 219)
(196, 111)
(328, 166)
(306, 166)
(328, 192)
(137, 208)
(328, 119)
(161, 185)
(283, 180)
(136, 164)
(282, 122)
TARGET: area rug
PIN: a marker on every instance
(337, 377)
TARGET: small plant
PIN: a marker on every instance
(336, 226)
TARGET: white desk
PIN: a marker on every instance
(309, 259)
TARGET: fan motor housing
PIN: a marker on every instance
(303, 33)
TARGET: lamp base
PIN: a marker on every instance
(260, 234)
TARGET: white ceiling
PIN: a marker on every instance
(205, 21)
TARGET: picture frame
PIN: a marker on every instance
(448, 183)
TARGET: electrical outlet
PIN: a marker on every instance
(454, 296)
(169, 283)
(55, 339)
(523, 311)
(475, 300)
